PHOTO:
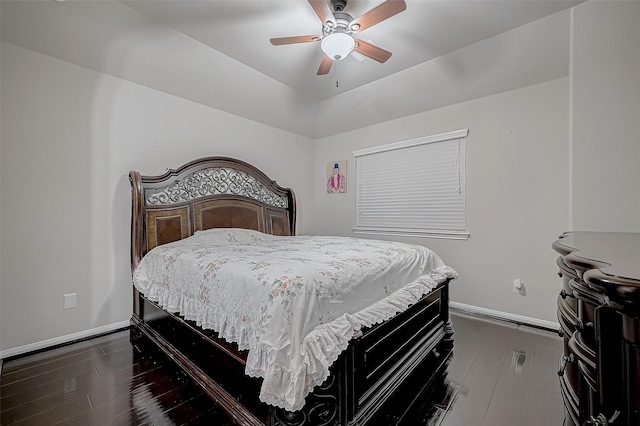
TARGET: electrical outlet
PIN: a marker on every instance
(69, 301)
(517, 286)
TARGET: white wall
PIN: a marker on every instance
(517, 186)
(112, 38)
(527, 55)
(70, 136)
(605, 86)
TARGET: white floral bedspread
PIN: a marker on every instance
(293, 302)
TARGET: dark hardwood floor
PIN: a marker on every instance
(500, 375)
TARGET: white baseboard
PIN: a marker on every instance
(62, 339)
(506, 316)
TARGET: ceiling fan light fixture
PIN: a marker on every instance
(337, 45)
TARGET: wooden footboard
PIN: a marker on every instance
(407, 350)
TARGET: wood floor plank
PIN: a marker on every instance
(474, 395)
(544, 408)
(549, 340)
(200, 412)
(47, 417)
(78, 391)
(62, 351)
(116, 399)
(61, 371)
(115, 361)
(432, 407)
(139, 403)
(544, 374)
(160, 379)
(465, 351)
(460, 324)
(187, 412)
(116, 345)
(511, 389)
(27, 385)
(46, 367)
(151, 405)
(67, 387)
(121, 391)
(544, 405)
(472, 399)
(166, 409)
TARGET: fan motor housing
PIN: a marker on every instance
(342, 24)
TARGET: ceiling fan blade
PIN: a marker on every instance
(322, 9)
(379, 13)
(325, 65)
(279, 41)
(372, 51)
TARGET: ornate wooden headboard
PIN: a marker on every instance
(211, 192)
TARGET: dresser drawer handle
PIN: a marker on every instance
(601, 420)
(563, 366)
(581, 325)
(564, 294)
(596, 421)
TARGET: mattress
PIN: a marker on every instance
(292, 302)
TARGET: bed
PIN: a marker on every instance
(357, 357)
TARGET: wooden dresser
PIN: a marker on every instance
(599, 315)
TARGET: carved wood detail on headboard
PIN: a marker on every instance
(210, 192)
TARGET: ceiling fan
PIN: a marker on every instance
(337, 39)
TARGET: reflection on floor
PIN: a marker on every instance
(500, 374)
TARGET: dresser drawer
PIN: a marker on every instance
(567, 274)
(588, 300)
(421, 330)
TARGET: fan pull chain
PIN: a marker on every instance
(337, 62)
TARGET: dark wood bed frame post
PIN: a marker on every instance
(137, 237)
(137, 240)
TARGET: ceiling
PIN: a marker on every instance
(217, 53)
(241, 29)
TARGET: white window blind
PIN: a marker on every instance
(414, 188)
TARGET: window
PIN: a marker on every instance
(413, 188)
